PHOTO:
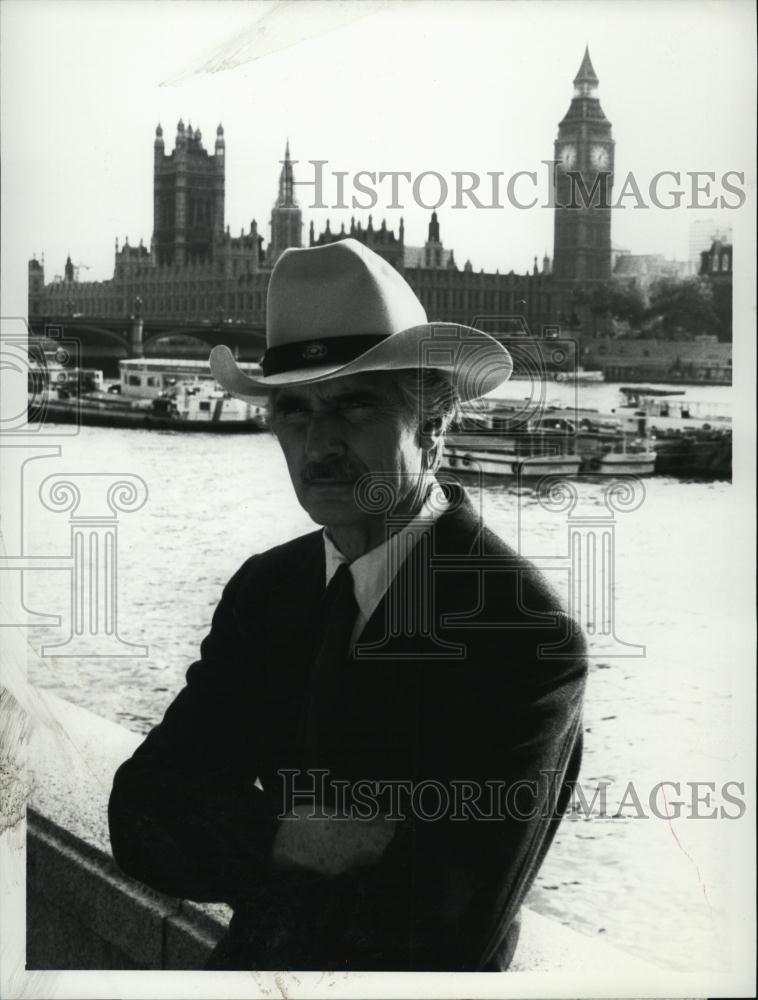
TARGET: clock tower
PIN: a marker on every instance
(584, 175)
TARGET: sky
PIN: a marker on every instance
(380, 86)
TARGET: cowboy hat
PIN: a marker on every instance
(341, 309)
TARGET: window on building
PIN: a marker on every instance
(715, 263)
(725, 262)
(205, 405)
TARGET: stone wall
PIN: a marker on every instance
(659, 360)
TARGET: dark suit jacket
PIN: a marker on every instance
(490, 692)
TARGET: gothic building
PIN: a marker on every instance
(188, 198)
(286, 217)
(716, 269)
(195, 269)
(584, 156)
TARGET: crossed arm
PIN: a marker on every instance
(187, 818)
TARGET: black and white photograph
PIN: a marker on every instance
(377, 540)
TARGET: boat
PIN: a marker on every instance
(564, 440)
(624, 457)
(581, 376)
(662, 412)
(157, 394)
(632, 393)
(693, 453)
(689, 437)
(524, 456)
(490, 440)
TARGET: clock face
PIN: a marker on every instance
(600, 157)
(568, 156)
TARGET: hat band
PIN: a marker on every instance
(328, 351)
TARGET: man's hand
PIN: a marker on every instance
(329, 846)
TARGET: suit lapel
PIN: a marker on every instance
(292, 607)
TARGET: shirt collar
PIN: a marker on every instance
(374, 571)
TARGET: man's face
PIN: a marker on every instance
(333, 433)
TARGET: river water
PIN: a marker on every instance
(656, 887)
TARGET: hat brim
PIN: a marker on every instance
(476, 362)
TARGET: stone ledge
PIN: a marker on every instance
(82, 882)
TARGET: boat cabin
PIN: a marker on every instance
(149, 378)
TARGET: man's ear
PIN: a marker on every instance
(430, 431)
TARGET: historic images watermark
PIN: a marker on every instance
(523, 189)
(313, 794)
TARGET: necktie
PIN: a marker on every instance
(339, 611)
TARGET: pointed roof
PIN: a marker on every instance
(286, 197)
(586, 72)
(585, 103)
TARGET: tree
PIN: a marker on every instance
(682, 307)
(611, 300)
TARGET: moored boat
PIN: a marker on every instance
(693, 453)
(506, 462)
(689, 437)
(481, 446)
(623, 458)
(662, 412)
(158, 394)
(524, 438)
(580, 376)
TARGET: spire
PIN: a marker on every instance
(286, 197)
(585, 103)
(586, 72)
(434, 229)
(586, 81)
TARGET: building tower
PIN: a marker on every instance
(584, 177)
(188, 197)
(286, 217)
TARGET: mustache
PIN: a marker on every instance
(335, 471)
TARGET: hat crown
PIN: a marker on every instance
(342, 289)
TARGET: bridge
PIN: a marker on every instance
(103, 341)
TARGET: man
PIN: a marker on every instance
(371, 756)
